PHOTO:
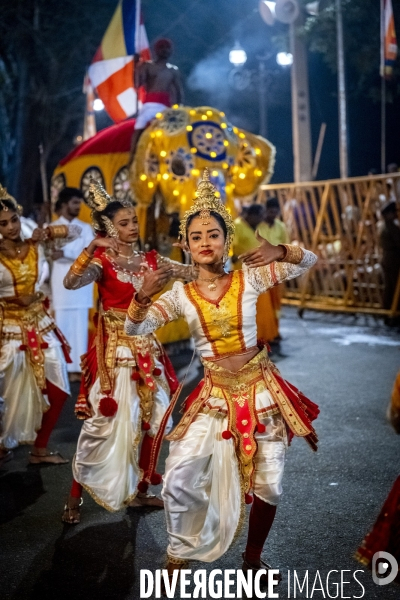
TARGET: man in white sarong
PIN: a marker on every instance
(71, 307)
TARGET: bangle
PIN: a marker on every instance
(293, 254)
(57, 231)
(81, 263)
(137, 312)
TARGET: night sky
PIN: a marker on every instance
(204, 32)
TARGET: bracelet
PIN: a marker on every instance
(57, 231)
(137, 312)
(81, 263)
(293, 254)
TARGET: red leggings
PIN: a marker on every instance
(262, 516)
(56, 398)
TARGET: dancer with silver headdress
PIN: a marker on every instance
(126, 381)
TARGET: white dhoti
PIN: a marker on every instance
(147, 113)
(24, 402)
(106, 462)
(202, 486)
(74, 323)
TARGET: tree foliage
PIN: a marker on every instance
(361, 27)
(45, 47)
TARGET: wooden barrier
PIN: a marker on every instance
(340, 221)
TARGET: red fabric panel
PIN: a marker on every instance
(116, 138)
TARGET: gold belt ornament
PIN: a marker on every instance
(27, 319)
(144, 349)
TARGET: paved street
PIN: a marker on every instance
(347, 365)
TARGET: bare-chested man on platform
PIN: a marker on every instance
(162, 84)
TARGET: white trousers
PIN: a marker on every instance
(74, 323)
(202, 493)
(106, 462)
(24, 402)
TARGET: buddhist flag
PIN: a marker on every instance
(388, 41)
(111, 71)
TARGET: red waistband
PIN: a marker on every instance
(161, 97)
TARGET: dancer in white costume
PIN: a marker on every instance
(33, 350)
(126, 381)
(232, 438)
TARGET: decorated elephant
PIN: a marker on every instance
(173, 151)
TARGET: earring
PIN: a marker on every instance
(112, 231)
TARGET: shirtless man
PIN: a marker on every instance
(162, 85)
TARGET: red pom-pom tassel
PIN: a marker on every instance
(260, 428)
(23, 347)
(156, 479)
(157, 371)
(108, 407)
(145, 426)
(143, 486)
(248, 498)
(136, 376)
(226, 434)
(44, 345)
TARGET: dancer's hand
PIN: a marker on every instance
(153, 282)
(39, 235)
(102, 242)
(265, 254)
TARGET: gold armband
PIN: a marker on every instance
(57, 231)
(137, 312)
(81, 263)
(293, 254)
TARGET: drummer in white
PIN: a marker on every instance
(71, 307)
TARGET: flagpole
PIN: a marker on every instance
(343, 153)
(383, 91)
(137, 44)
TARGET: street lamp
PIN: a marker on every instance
(289, 12)
(240, 78)
(237, 56)
(284, 59)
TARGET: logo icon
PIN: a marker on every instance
(384, 568)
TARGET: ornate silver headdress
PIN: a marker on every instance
(98, 200)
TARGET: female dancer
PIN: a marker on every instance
(33, 350)
(236, 425)
(126, 382)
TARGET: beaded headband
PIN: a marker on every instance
(205, 203)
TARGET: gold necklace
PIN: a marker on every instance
(211, 285)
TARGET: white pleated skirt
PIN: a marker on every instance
(106, 462)
(202, 488)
